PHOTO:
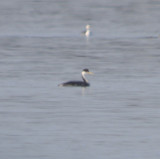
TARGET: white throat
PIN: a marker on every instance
(83, 76)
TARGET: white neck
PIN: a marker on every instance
(83, 77)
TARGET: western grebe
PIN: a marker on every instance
(87, 32)
(83, 83)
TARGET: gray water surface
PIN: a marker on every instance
(41, 46)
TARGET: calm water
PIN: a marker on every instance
(41, 45)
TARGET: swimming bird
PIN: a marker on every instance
(87, 32)
(83, 83)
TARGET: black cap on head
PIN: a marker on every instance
(86, 70)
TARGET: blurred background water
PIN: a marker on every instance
(41, 45)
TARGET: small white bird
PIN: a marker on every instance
(87, 32)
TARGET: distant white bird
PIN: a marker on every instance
(87, 32)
